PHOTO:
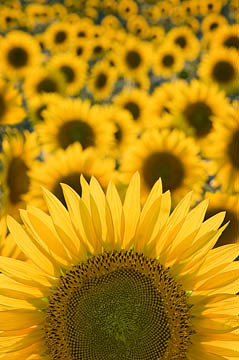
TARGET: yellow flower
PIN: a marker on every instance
(37, 105)
(72, 68)
(8, 248)
(223, 149)
(20, 53)
(127, 8)
(19, 151)
(109, 279)
(137, 103)
(102, 80)
(11, 18)
(184, 39)
(227, 37)
(67, 167)
(75, 121)
(83, 29)
(138, 26)
(38, 15)
(211, 24)
(11, 109)
(59, 36)
(230, 203)
(167, 60)
(196, 108)
(169, 155)
(220, 66)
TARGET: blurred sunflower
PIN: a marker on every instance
(11, 18)
(223, 202)
(19, 151)
(227, 37)
(169, 155)
(82, 49)
(170, 300)
(195, 108)
(185, 40)
(72, 68)
(167, 60)
(59, 36)
(67, 167)
(137, 103)
(11, 109)
(223, 149)
(38, 15)
(210, 6)
(127, 8)
(211, 24)
(102, 80)
(37, 105)
(138, 26)
(125, 129)
(75, 121)
(221, 67)
(83, 29)
(20, 53)
(99, 47)
(134, 56)
(44, 80)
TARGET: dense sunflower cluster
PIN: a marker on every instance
(92, 92)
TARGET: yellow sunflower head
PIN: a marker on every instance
(111, 280)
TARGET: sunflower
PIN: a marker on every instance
(195, 108)
(38, 15)
(67, 166)
(110, 280)
(44, 80)
(220, 66)
(156, 35)
(167, 60)
(102, 80)
(111, 22)
(83, 29)
(230, 203)
(210, 6)
(20, 53)
(11, 18)
(19, 151)
(136, 102)
(11, 111)
(127, 8)
(134, 56)
(125, 129)
(73, 69)
(59, 36)
(99, 47)
(192, 23)
(75, 121)
(184, 39)
(82, 49)
(138, 26)
(169, 155)
(223, 150)
(37, 105)
(160, 115)
(212, 23)
(60, 10)
(227, 37)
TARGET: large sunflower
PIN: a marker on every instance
(11, 111)
(20, 52)
(19, 150)
(169, 155)
(67, 167)
(75, 121)
(111, 281)
(223, 149)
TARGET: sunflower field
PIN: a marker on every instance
(119, 179)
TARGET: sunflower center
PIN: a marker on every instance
(231, 233)
(76, 130)
(232, 41)
(3, 106)
(223, 72)
(198, 115)
(213, 26)
(60, 37)
(168, 60)
(233, 149)
(181, 41)
(73, 180)
(133, 59)
(164, 165)
(101, 80)
(47, 85)
(17, 57)
(133, 108)
(68, 72)
(17, 179)
(118, 305)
